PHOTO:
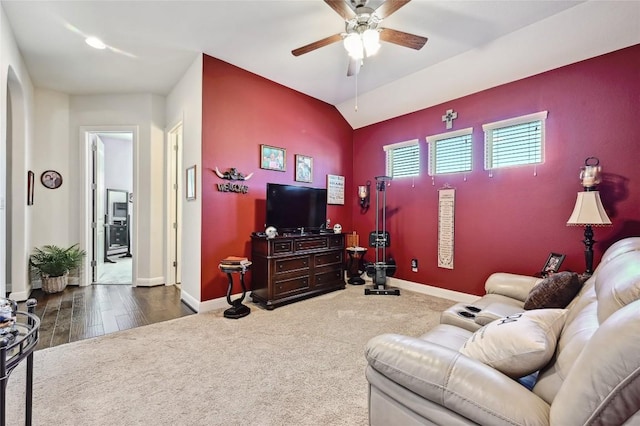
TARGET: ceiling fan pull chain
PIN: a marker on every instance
(356, 107)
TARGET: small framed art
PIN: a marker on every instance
(304, 168)
(51, 179)
(191, 183)
(273, 158)
(553, 264)
(30, 182)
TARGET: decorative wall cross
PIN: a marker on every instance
(448, 118)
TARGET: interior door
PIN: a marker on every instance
(175, 216)
(99, 203)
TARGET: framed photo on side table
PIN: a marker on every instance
(304, 168)
(553, 264)
(272, 158)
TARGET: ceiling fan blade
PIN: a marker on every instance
(316, 45)
(341, 8)
(354, 67)
(403, 39)
(390, 6)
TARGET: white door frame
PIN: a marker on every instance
(86, 203)
(173, 207)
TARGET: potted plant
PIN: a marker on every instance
(53, 264)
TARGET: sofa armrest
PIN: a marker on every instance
(510, 285)
(454, 381)
(494, 311)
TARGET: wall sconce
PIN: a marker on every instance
(364, 193)
(589, 210)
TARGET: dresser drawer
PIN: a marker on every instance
(311, 244)
(293, 285)
(292, 264)
(336, 241)
(280, 247)
(328, 278)
(328, 258)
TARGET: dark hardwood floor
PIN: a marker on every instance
(82, 312)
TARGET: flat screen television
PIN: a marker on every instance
(290, 208)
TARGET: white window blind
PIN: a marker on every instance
(450, 152)
(403, 159)
(515, 142)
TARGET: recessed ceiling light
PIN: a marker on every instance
(95, 42)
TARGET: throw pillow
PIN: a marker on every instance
(518, 344)
(555, 291)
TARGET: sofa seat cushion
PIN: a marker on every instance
(519, 344)
(447, 335)
(555, 291)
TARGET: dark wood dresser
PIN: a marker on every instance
(289, 268)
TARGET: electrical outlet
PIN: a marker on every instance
(414, 265)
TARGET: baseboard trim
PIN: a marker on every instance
(149, 282)
(190, 301)
(20, 296)
(456, 296)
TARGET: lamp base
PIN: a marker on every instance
(588, 249)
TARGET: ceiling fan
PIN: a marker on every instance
(362, 31)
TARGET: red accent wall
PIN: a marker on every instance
(513, 220)
(241, 111)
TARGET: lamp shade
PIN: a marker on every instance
(589, 210)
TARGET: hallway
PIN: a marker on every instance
(79, 313)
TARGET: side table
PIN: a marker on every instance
(356, 264)
(237, 309)
(17, 342)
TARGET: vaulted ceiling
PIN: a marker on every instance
(473, 45)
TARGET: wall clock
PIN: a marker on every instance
(51, 179)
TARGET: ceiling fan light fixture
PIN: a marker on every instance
(371, 41)
(354, 46)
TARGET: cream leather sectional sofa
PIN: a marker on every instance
(476, 369)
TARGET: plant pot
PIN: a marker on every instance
(54, 284)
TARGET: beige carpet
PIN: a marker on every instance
(301, 364)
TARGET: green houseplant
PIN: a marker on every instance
(53, 264)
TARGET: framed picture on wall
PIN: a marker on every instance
(304, 168)
(51, 179)
(191, 183)
(273, 158)
(30, 182)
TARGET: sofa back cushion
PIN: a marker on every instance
(603, 386)
(615, 285)
(618, 284)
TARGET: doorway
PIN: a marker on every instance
(174, 210)
(112, 206)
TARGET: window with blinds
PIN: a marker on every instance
(514, 142)
(403, 159)
(450, 152)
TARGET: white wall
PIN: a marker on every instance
(184, 104)
(146, 112)
(118, 157)
(16, 83)
(51, 221)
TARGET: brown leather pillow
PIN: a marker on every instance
(555, 291)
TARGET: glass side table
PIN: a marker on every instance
(237, 309)
(18, 339)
